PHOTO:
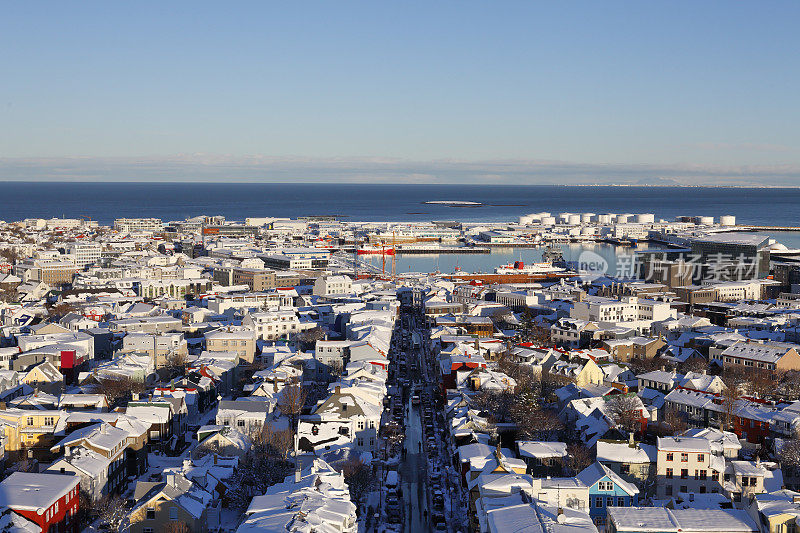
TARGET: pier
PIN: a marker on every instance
(442, 250)
(509, 278)
(767, 228)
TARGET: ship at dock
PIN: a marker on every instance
(369, 249)
(519, 267)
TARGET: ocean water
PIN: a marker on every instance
(369, 202)
(617, 258)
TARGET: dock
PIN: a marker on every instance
(509, 278)
(767, 228)
(442, 250)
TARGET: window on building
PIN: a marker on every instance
(701, 457)
(703, 474)
(669, 473)
(684, 473)
(240, 423)
(620, 502)
(669, 457)
(598, 502)
(151, 513)
(173, 513)
(684, 457)
(669, 490)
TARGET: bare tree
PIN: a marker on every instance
(10, 255)
(111, 511)
(255, 474)
(118, 389)
(578, 458)
(674, 422)
(7, 296)
(175, 363)
(358, 477)
(761, 384)
(730, 398)
(549, 383)
(291, 402)
(276, 443)
(309, 337)
(789, 456)
(694, 364)
(61, 309)
(625, 411)
(177, 527)
(639, 365)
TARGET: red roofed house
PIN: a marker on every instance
(48, 500)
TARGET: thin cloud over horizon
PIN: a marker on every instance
(260, 168)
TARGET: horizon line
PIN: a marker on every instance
(413, 184)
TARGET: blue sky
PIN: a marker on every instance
(539, 92)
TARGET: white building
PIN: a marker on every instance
(84, 253)
(273, 325)
(328, 285)
(136, 225)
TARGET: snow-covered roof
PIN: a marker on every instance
(539, 449)
(597, 471)
(623, 452)
(663, 520)
(34, 492)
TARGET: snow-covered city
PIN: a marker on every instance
(281, 375)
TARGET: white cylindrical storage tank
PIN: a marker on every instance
(587, 230)
(574, 219)
(727, 220)
(622, 219)
(526, 219)
(548, 221)
(586, 217)
(542, 214)
(604, 219)
(705, 221)
(564, 217)
(645, 218)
